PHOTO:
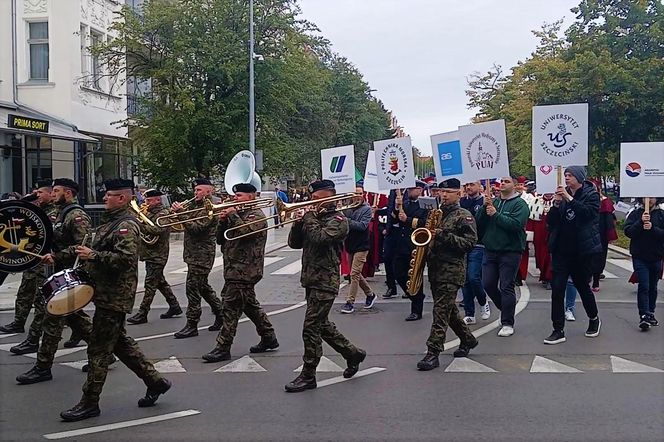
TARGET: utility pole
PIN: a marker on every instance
(252, 116)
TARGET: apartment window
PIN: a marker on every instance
(84, 49)
(38, 43)
(95, 69)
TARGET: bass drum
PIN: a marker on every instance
(67, 291)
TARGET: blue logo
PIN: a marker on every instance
(337, 164)
(449, 154)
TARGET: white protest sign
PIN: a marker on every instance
(338, 164)
(484, 151)
(546, 179)
(446, 150)
(560, 135)
(641, 169)
(370, 175)
(394, 163)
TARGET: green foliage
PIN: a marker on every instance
(195, 117)
(611, 57)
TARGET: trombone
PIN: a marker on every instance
(185, 205)
(210, 210)
(289, 213)
(141, 215)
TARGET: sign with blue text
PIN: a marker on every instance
(560, 135)
(446, 150)
(484, 151)
(338, 165)
(641, 169)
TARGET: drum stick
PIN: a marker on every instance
(85, 238)
(31, 253)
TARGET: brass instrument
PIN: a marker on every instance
(210, 210)
(289, 213)
(141, 215)
(185, 205)
(423, 239)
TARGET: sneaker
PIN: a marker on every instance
(652, 320)
(595, 289)
(469, 320)
(569, 315)
(644, 324)
(347, 308)
(556, 337)
(506, 330)
(593, 328)
(391, 293)
(370, 301)
(486, 311)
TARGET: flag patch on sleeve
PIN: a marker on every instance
(123, 231)
(78, 219)
(339, 218)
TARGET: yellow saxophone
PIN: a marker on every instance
(422, 238)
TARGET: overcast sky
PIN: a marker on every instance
(418, 53)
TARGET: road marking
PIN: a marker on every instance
(290, 269)
(324, 366)
(219, 260)
(269, 260)
(8, 336)
(620, 365)
(77, 365)
(61, 352)
(544, 365)
(532, 267)
(118, 425)
(359, 374)
(624, 263)
(466, 365)
(170, 365)
(243, 365)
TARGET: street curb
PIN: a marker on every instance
(620, 250)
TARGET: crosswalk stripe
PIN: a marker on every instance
(359, 374)
(624, 263)
(544, 365)
(290, 269)
(620, 365)
(467, 365)
(243, 365)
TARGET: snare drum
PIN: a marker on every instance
(67, 291)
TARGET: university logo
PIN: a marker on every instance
(25, 231)
(393, 163)
(337, 164)
(484, 152)
(633, 169)
(562, 134)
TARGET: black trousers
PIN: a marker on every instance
(401, 265)
(579, 269)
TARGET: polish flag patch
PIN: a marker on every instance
(78, 219)
(123, 231)
(339, 218)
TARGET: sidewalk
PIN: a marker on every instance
(176, 269)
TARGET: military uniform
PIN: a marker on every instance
(243, 268)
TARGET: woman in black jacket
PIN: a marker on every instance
(646, 231)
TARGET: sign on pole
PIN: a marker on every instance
(446, 150)
(370, 175)
(484, 151)
(642, 169)
(394, 163)
(560, 135)
(546, 179)
(338, 164)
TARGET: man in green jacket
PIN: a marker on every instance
(501, 224)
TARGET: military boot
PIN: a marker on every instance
(305, 381)
(73, 341)
(34, 375)
(153, 392)
(189, 331)
(138, 318)
(111, 360)
(464, 349)
(429, 362)
(265, 344)
(217, 355)
(12, 327)
(80, 411)
(30, 345)
(218, 322)
(173, 310)
(353, 364)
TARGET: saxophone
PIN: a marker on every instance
(422, 237)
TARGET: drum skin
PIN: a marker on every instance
(67, 291)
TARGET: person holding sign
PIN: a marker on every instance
(645, 228)
(573, 240)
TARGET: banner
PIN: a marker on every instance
(560, 135)
(446, 150)
(338, 164)
(394, 163)
(484, 151)
(641, 169)
(371, 177)
(546, 179)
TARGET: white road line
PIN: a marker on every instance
(624, 263)
(118, 425)
(8, 336)
(620, 365)
(467, 365)
(291, 269)
(609, 275)
(544, 365)
(359, 374)
(269, 260)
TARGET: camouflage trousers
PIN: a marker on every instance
(445, 312)
(318, 328)
(53, 326)
(238, 299)
(31, 282)
(197, 287)
(36, 326)
(155, 280)
(110, 337)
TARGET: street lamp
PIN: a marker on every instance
(252, 116)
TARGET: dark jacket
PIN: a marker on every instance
(473, 205)
(506, 230)
(574, 225)
(416, 217)
(243, 258)
(358, 228)
(647, 245)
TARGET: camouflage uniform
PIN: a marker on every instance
(114, 269)
(243, 268)
(199, 250)
(69, 229)
(320, 239)
(155, 257)
(455, 237)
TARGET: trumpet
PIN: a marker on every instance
(289, 213)
(141, 215)
(210, 210)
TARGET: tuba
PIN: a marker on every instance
(423, 239)
(142, 217)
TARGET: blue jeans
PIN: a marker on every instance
(473, 287)
(570, 296)
(648, 273)
(498, 274)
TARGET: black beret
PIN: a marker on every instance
(420, 184)
(29, 197)
(152, 192)
(43, 183)
(321, 185)
(451, 183)
(201, 182)
(66, 182)
(244, 188)
(118, 184)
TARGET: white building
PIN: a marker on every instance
(58, 113)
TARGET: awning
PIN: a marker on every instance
(55, 129)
